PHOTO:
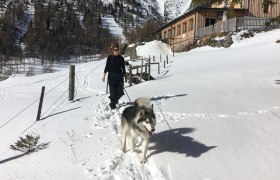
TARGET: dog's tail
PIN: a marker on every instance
(143, 101)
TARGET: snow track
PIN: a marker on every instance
(118, 165)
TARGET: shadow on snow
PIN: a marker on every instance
(39, 147)
(166, 97)
(177, 141)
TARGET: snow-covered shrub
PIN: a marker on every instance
(27, 144)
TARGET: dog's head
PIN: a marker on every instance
(147, 119)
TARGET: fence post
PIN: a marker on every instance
(163, 64)
(40, 103)
(167, 59)
(236, 25)
(71, 82)
(145, 67)
(160, 58)
(158, 68)
(130, 75)
(149, 73)
(154, 58)
(141, 69)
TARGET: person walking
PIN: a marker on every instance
(115, 67)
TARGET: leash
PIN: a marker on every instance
(163, 115)
(126, 94)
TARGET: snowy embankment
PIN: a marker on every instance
(217, 114)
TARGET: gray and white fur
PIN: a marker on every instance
(138, 120)
(142, 101)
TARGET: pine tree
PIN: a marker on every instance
(27, 144)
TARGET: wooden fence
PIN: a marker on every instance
(144, 68)
(236, 24)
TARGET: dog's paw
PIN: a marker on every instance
(143, 160)
(123, 150)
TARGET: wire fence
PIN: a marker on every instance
(28, 106)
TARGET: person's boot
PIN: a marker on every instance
(112, 105)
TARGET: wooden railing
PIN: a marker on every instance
(235, 24)
(251, 23)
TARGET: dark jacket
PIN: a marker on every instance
(115, 65)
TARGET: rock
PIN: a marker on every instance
(136, 78)
(248, 34)
(131, 51)
(3, 77)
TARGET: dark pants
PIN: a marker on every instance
(116, 88)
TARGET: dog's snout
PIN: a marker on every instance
(153, 130)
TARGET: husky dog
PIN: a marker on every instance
(138, 120)
(142, 101)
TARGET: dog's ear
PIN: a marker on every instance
(151, 107)
(142, 112)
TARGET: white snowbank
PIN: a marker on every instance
(153, 48)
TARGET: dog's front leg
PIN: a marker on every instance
(124, 142)
(132, 143)
(145, 145)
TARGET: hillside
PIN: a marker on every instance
(175, 8)
(67, 28)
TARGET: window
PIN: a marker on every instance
(185, 27)
(191, 21)
(179, 30)
(266, 4)
(209, 21)
(164, 35)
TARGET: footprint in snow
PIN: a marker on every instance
(262, 111)
(223, 115)
(88, 135)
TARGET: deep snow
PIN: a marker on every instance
(217, 114)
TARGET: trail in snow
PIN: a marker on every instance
(119, 165)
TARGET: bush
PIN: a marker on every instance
(273, 22)
(27, 144)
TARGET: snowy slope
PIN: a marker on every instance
(217, 118)
(175, 8)
(115, 29)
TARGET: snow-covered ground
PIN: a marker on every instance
(217, 114)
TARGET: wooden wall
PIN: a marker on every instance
(256, 8)
(200, 17)
(182, 38)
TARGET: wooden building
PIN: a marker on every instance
(263, 8)
(183, 30)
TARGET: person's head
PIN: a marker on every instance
(116, 49)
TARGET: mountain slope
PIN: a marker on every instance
(175, 8)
